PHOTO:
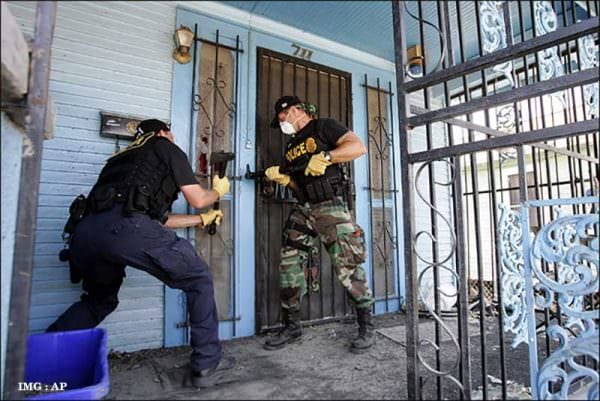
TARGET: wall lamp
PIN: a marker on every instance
(415, 61)
(184, 39)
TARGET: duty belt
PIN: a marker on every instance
(322, 190)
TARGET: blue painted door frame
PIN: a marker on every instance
(182, 127)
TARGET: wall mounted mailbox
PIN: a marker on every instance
(119, 126)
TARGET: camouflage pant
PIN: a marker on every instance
(344, 240)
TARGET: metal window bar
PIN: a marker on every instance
(382, 137)
(218, 125)
(369, 183)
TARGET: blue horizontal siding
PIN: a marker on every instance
(105, 57)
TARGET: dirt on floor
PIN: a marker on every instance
(318, 367)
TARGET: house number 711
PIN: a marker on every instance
(302, 52)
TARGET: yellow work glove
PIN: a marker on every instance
(211, 216)
(221, 185)
(317, 165)
(273, 174)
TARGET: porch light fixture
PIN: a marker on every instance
(184, 39)
(415, 61)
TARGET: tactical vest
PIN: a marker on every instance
(298, 152)
(138, 178)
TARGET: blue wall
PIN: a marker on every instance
(12, 142)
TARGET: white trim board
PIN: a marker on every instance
(266, 25)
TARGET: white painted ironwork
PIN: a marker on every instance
(588, 53)
(570, 244)
(550, 65)
(494, 34)
(510, 244)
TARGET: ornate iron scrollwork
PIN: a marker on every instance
(571, 244)
(550, 65)
(588, 53)
(514, 309)
(380, 128)
(431, 265)
(215, 123)
(494, 34)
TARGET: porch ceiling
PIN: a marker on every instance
(364, 25)
(367, 25)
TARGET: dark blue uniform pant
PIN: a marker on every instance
(104, 243)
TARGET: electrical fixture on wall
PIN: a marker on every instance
(415, 61)
(184, 39)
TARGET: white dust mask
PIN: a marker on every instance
(287, 128)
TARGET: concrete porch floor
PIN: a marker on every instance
(318, 367)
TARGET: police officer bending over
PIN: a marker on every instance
(315, 177)
(127, 212)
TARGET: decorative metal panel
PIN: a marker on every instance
(550, 65)
(564, 261)
(571, 244)
(588, 53)
(510, 242)
(494, 34)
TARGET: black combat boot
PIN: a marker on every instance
(366, 331)
(290, 333)
(219, 374)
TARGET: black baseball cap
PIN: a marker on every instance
(151, 125)
(281, 104)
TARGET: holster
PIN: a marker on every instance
(74, 273)
(77, 211)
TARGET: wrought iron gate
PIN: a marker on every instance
(527, 84)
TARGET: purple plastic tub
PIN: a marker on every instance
(74, 361)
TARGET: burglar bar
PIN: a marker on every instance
(383, 219)
(377, 153)
(197, 104)
(233, 192)
(371, 207)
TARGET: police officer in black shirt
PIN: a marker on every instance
(127, 224)
(311, 169)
